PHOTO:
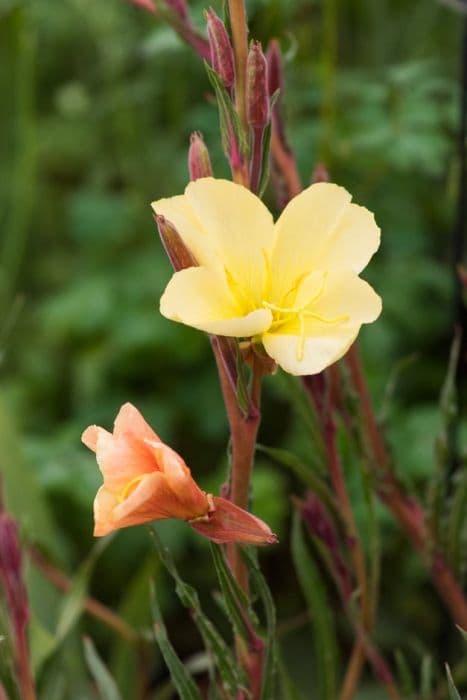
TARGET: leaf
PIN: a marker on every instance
(266, 148)
(453, 692)
(288, 687)
(444, 447)
(307, 413)
(225, 663)
(270, 654)
(236, 603)
(455, 525)
(463, 632)
(313, 590)
(181, 678)
(406, 679)
(426, 677)
(104, 681)
(229, 120)
(74, 600)
(300, 469)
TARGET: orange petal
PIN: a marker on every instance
(229, 523)
(121, 458)
(90, 436)
(153, 499)
(130, 420)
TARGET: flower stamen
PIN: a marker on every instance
(128, 489)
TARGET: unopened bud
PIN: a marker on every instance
(145, 5)
(177, 252)
(258, 111)
(320, 174)
(179, 7)
(275, 70)
(199, 162)
(321, 525)
(222, 56)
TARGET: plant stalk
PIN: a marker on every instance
(406, 510)
(238, 23)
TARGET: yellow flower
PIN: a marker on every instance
(292, 285)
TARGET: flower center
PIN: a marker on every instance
(128, 489)
(301, 312)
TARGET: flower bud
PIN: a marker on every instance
(179, 7)
(320, 174)
(199, 162)
(257, 97)
(177, 252)
(275, 70)
(145, 5)
(222, 56)
(321, 525)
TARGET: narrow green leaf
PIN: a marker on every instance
(181, 678)
(308, 415)
(405, 676)
(453, 692)
(288, 687)
(73, 602)
(314, 593)
(215, 644)
(236, 603)
(266, 148)
(426, 677)
(456, 524)
(437, 487)
(270, 653)
(229, 120)
(104, 681)
(302, 471)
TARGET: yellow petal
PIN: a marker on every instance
(200, 298)
(317, 353)
(344, 293)
(320, 229)
(227, 228)
(329, 324)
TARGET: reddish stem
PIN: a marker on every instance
(407, 510)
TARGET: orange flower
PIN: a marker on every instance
(145, 480)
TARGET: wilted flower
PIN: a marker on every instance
(145, 480)
(292, 285)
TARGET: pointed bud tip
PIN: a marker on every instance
(222, 55)
(258, 108)
(199, 161)
(177, 252)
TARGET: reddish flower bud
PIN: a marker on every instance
(199, 162)
(257, 97)
(320, 523)
(275, 70)
(179, 7)
(222, 56)
(177, 252)
(320, 174)
(145, 5)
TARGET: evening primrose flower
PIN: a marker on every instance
(145, 480)
(293, 286)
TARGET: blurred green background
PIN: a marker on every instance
(98, 100)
